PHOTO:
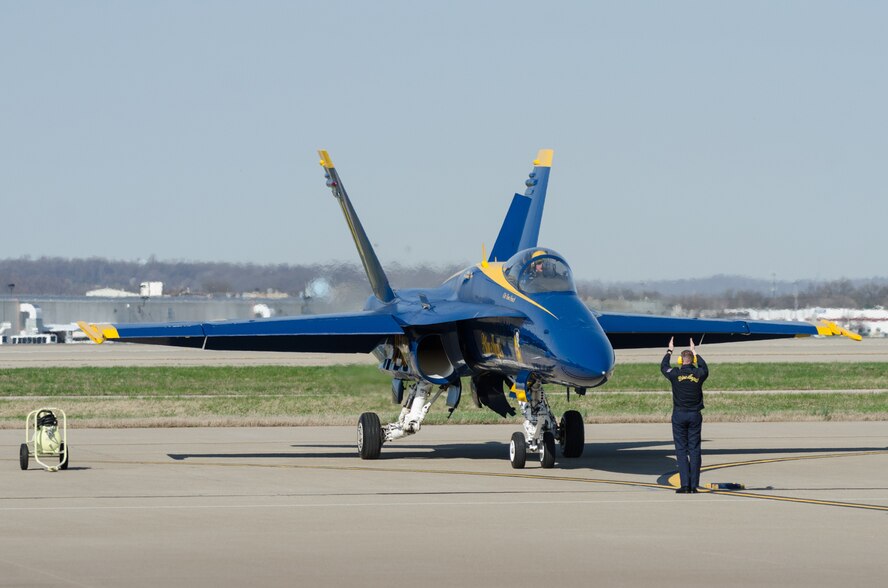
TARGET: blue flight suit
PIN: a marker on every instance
(687, 418)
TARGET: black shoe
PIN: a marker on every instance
(683, 490)
(694, 490)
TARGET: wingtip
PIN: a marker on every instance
(99, 333)
(829, 328)
(91, 331)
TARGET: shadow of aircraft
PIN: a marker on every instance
(645, 458)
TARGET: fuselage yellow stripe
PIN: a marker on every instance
(494, 271)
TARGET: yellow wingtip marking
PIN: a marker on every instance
(92, 332)
(484, 256)
(109, 331)
(326, 162)
(544, 158)
(829, 329)
(99, 333)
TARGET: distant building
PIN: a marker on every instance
(111, 293)
(149, 289)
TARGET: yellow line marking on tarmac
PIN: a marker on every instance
(395, 470)
(674, 480)
(557, 478)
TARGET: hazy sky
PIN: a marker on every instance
(744, 138)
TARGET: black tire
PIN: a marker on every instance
(518, 451)
(547, 450)
(369, 436)
(573, 434)
(23, 456)
(63, 463)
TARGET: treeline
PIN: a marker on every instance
(835, 294)
(55, 276)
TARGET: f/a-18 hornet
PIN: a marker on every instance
(508, 325)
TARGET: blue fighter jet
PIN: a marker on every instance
(508, 325)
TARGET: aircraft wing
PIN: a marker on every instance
(333, 333)
(358, 332)
(635, 331)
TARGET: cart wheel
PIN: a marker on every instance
(23, 456)
(63, 463)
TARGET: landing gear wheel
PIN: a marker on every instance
(547, 450)
(63, 463)
(518, 451)
(369, 436)
(23, 456)
(572, 434)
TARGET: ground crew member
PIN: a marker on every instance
(687, 418)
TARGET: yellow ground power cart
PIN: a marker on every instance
(46, 435)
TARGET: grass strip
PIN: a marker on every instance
(363, 379)
(280, 395)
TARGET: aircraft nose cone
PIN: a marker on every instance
(590, 363)
(590, 373)
(582, 351)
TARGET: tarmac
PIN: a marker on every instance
(296, 506)
(293, 506)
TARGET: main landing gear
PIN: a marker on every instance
(372, 434)
(541, 431)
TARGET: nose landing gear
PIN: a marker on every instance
(541, 431)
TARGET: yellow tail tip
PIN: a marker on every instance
(544, 158)
(325, 162)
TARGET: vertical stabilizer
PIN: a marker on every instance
(378, 280)
(536, 184)
(509, 237)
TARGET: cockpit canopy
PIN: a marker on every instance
(539, 270)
